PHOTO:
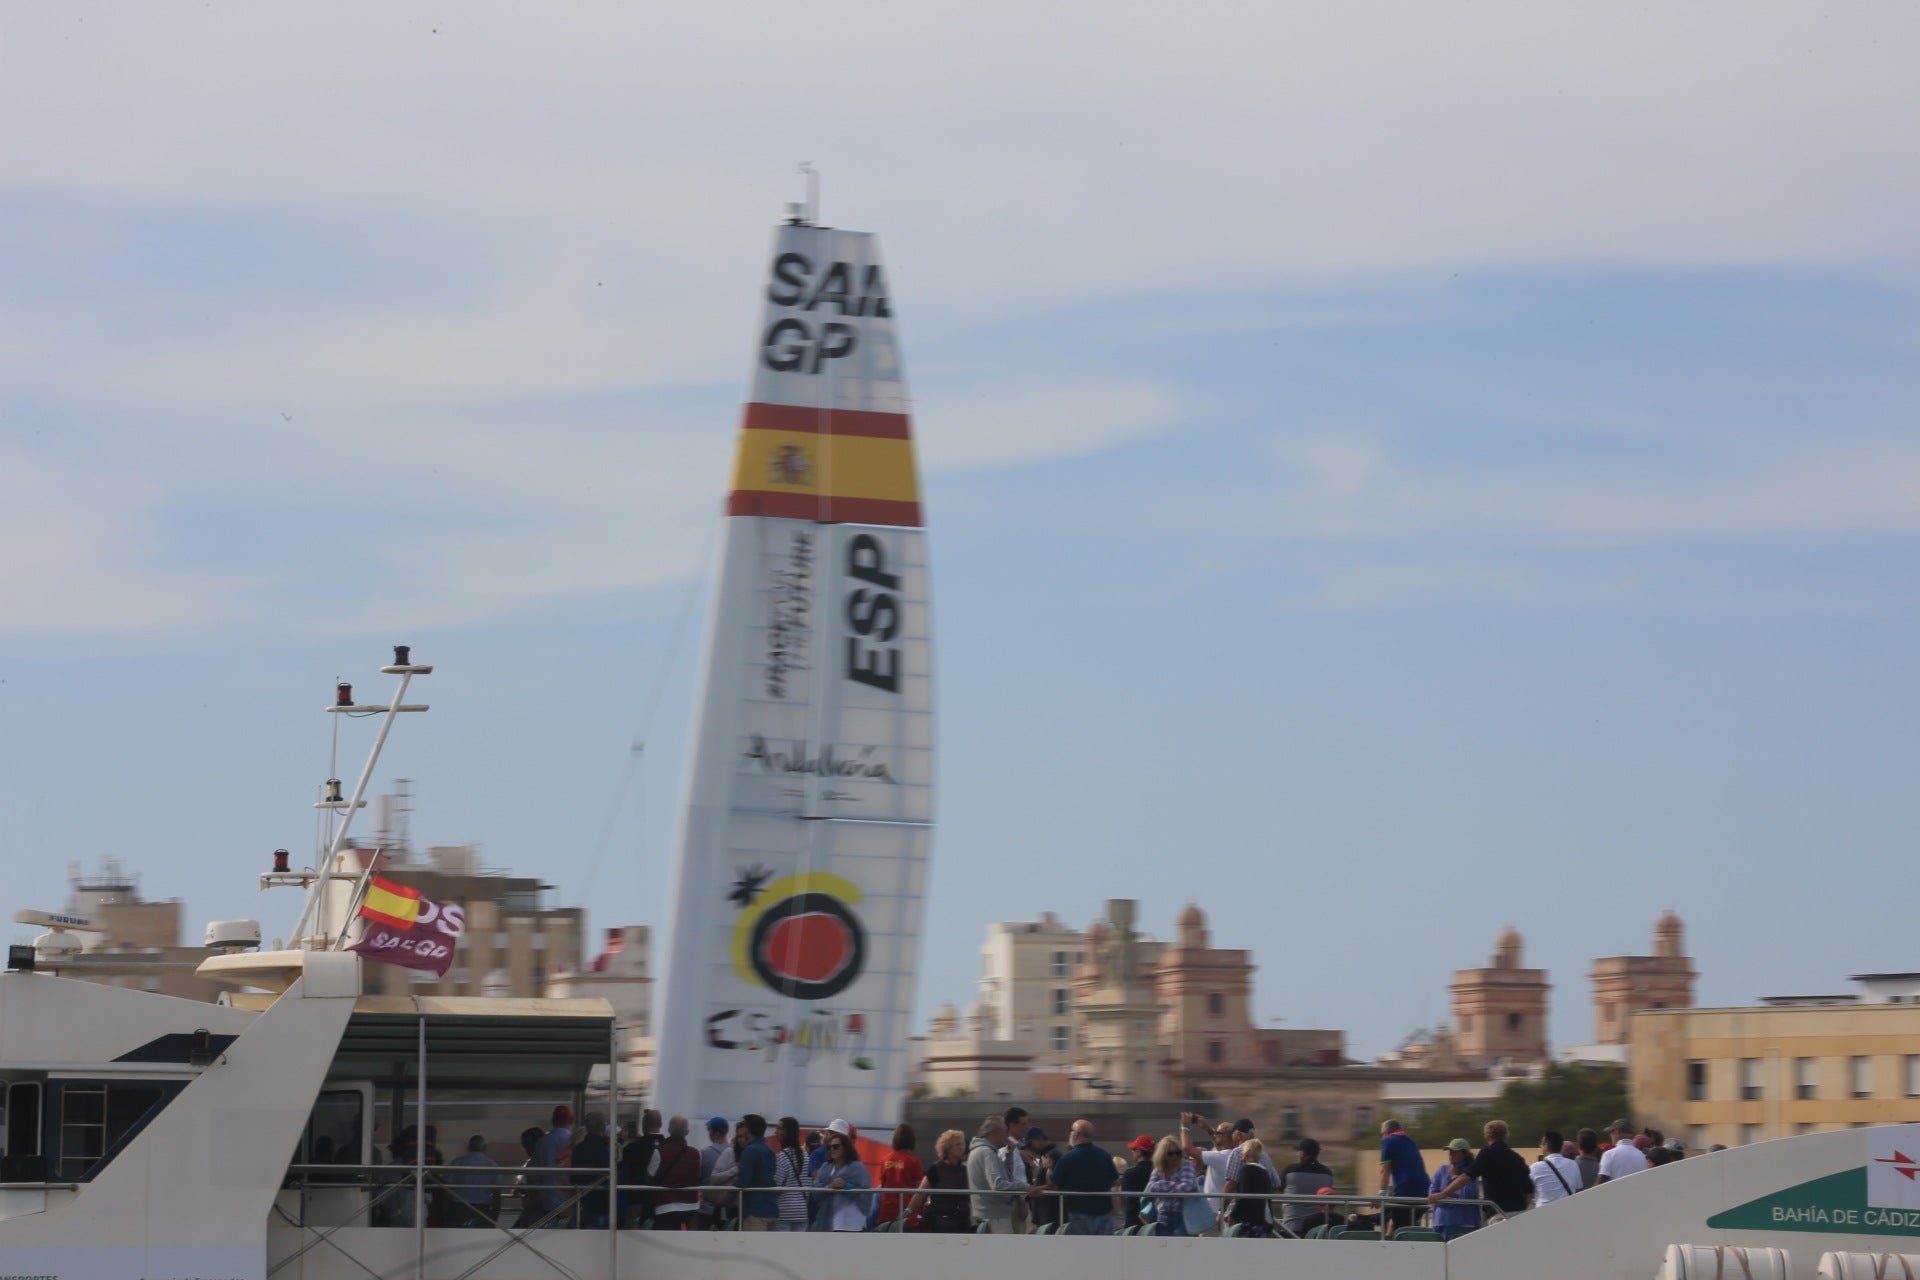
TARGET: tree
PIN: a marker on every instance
(1566, 1098)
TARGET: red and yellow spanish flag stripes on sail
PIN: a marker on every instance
(845, 466)
(390, 903)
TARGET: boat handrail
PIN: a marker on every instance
(581, 1182)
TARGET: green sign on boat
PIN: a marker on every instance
(1836, 1204)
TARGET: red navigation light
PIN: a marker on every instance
(343, 694)
(280, 860)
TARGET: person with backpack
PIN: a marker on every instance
(678, 1168)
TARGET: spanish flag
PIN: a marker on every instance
(390, 903)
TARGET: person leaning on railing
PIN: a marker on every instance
(948, 1172)
(1249, 1209)
(845, 1175)
(1450, 1220)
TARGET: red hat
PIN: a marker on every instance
(563, 1114)
(1141, 1143)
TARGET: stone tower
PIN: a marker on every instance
(1117, 1013)
(1500, 1012)
(1204, 994)
(1624, 985)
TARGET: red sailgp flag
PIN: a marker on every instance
(404, 928)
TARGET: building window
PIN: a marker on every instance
(1362, 1122)
(1289, 1122)
(1059, 1002)
(1749, 1079)
(1800, 1129)
(1858, 1078)
(1803, 1078)
(1913, 1075)
(1062, 1040)
(1059, 964)
(1696, 1082)
(1513, 1022)
(1749, 1134)
(1216, 1051)
(1466, 1022)
(1216, 1004)
(1697, 1140)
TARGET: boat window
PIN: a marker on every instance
(23, 1118)
(335, 1130)
(97, 1117)
(23, 1160)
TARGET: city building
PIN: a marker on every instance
(961, 1059)
(135, 943)
(621, 975)
(1500, 1012)
(1117, 1012)
(1028, 973)
(1789, 1065)
(1624, 985)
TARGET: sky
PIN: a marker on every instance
(1391, 471)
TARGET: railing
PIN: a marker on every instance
(387, 1195)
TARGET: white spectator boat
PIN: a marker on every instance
(154, 1138)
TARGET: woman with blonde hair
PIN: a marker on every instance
(1171, 1174)
(948, 1172)
(1250, 1209)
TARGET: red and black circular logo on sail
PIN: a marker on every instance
(808, 946)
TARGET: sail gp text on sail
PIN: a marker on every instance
(804, 343)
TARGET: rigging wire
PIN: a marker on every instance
(636, 754)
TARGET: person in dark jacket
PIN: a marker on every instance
(1500, 1170)
(591, 1157)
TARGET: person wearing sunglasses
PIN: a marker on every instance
(846, 1177)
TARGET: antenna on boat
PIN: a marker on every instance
(324, 920)
(807, 214)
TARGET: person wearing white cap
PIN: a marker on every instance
(843, 1173)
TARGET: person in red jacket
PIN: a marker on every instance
(901, 1169)
(673, 1208)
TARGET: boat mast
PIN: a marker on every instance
(328, 912)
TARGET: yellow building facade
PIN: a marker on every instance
(1786, 1067)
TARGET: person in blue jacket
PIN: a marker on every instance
(1450, 1220)
(842, 1172)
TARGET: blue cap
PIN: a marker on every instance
(718, 1122)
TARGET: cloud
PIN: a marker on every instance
(1136, 150)
(1002, 426)
(1336, 487)
(89, 553)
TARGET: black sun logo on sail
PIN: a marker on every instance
(747, 887)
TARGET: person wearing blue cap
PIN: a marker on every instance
(719, 1163)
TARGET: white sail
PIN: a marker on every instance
(807, 823)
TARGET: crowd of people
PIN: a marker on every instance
(1008, 1178)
